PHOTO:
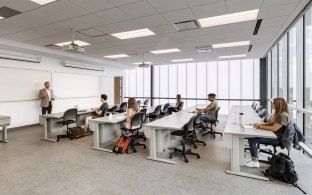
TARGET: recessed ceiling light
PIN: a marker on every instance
(183, 60)
(80, 43)
(232, 44)
(165, 51)
(134, 34)
(138, 63)
(233, 56)
(42, 2)
(117, 56)
(229, 18)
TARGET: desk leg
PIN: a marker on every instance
(236, 158)
(4, 134)
(153, 148)
(97, 139)
(46, 131)
(241, 152)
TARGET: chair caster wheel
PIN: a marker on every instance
(170, 156)
(57, 140)
(195, 147)
(186, 161)
(144, 147)
(175, 150)
(205, 144)
(198, 156)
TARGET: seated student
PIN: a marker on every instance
(278, 124)
(99, 112)
(210, 111)
(176, 107)
(132, 109)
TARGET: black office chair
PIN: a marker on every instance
(122, 108)
(145, 104)
(211, 131)
(156, 114)
(141, 134)
(135, 126)
(139, 103)
(111, 110)
(258, 108)
(253, 103)
(165, 111)
(263, 113)
(185, 133)
(193, 136)
(267, 118)
(69, 117)
(255, 106)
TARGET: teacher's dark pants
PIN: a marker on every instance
(47, 109)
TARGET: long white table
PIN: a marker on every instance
(235, 134)
(106, 129)
(4, 122)
(159, 132)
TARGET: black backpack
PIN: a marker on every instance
(282, 168)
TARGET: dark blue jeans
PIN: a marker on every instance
(253, 144)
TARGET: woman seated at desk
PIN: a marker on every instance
(278, 124)
(177, 107)
(132, 109)
(99, 112)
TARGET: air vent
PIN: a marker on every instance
(257, 27)
(186, 25)
(204, 49)
(7, 12)
(249, 48)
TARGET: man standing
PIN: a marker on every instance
(210, 111)
(46, 96)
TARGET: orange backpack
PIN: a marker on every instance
(122, 145)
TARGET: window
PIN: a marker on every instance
(173, 82)
(182, 81)
(163, 85)
(274, 72)
(282, 68)
(247, 79)
(191, 84)
(223, 86)
(201, 82)
(235, 79)
(156, 84)
(292, 66)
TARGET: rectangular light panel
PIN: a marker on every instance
(42, 2)
(232, 44)
(134, 34)
(165, 51)
(117, 56)
(233, 56)
(182, 60)
(229, 18)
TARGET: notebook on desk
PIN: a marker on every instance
(248, 126)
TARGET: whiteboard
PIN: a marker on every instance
(67, 85)
(21, 84)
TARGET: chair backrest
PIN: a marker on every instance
(157, 110)
(123, 106)
(255, 105)
(263, 113)
(217, 113)
(136, 120)
(190, 124)
(70, 114)
(166, 108)
(258, 108)
(139, 103)
(113, 109)
(180, 107)
(143, 110)
(146, 102)
(267, 118)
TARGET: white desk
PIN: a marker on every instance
(106, 129)
(4, 122)
(159, 131)
(50, 123)
(235, 135)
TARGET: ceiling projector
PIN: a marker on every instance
(73, 47)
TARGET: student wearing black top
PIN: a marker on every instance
(99, 112)
(278, 124)
(176, 108)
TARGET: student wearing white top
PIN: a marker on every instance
(132, 109)
(47, 97)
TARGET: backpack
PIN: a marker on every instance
(122, 145)
(77, 132)
(282, 168)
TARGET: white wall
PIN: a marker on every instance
(27, 111)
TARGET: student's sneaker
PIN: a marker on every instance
(252, 164)
(247, 160)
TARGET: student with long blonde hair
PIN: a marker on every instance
(277, 124)
(132, 109)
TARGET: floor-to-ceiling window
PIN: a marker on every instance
(231, 80)
(282, 68)
(274, 72)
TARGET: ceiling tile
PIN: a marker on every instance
(93, 5)
(113, 15)
(122, 2)
(276, 11)
(242, 5)
(92, 20)
(277, 21)
(209, 10)
(201, 2)
(74, 23)
(138, 9)
(67, 9)
(165, 5)
(155, 20)
(270, 3)
(121, 27)
(47, 14)
(179, 15)
(163, 29)
(19, 5)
